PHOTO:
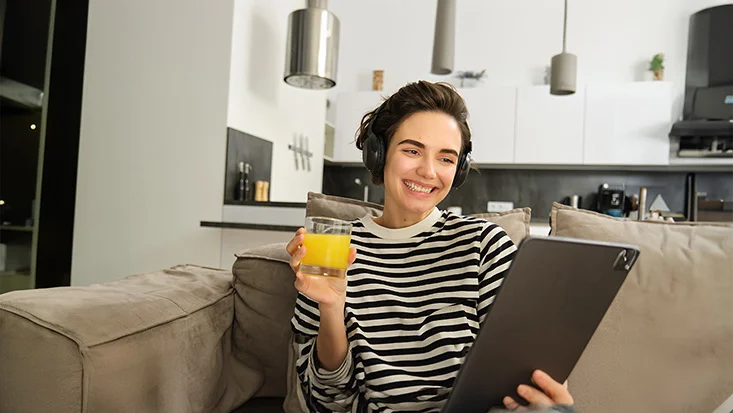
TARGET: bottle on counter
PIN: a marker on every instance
(242, 190)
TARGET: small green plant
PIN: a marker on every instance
(657, 66)
(657, 62)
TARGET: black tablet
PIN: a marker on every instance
(549, 305)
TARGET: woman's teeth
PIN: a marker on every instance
(416, 188)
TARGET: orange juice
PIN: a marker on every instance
(326, 254)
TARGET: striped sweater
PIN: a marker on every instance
(415, 299)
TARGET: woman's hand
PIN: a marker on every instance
(328, 292)
(554, 393)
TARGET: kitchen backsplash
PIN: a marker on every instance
(538, 189)
(243, 147)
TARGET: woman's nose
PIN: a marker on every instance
(426, 169)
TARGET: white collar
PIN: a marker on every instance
(401, 233)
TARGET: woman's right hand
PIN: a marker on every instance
(328, 292)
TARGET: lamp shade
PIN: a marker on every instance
(564, 70)
(444, 41)
(564, 65)
(311, 59)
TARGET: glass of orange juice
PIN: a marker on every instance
(326, 244)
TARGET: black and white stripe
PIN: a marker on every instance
(415, 301)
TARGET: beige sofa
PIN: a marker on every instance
(196, 339)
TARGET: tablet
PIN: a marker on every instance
(550, 303)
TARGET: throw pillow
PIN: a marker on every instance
(665, 342)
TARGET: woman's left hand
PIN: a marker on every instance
(554, 393)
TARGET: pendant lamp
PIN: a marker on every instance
(444, 40)
(312, 47)
(564, 66)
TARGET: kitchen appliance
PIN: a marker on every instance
(706, 128)
(611, 200)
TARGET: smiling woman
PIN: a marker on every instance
(417, 143)
(392, 334)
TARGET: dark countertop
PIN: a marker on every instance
(243, 225)
(267, 204)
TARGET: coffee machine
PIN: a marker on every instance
(611, 200)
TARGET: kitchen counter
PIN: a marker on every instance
(245, 225)
(268, 204)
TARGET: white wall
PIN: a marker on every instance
(153, 135)
(513, 40)
(260, 103)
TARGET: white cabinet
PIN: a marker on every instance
(350, 108)
(549, 129)
(627, 123)
(491, 118)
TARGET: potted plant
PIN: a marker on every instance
(470, 78)
(656, 66)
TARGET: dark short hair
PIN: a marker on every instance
(421, 96)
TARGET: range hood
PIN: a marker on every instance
(706, 128)
(20, 93)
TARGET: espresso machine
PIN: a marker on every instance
(611, 200)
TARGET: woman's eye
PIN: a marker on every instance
(448, 160)
(411, 151)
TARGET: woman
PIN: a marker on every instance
(393, 334)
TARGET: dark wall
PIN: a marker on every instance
(61, 149)
(538, 189)
(25, 40)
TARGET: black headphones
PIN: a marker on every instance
(374, 148)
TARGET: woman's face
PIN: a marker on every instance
(421, 163)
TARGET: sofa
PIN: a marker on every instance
(198, 339)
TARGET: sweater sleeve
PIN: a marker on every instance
(497, 252)
(321, 390)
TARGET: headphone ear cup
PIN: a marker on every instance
(372, 155)
(464, 165)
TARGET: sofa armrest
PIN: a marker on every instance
(158, 342)
(263, 306)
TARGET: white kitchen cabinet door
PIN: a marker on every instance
(628, 123)
(350, 108)
(549, 128)
(491, 118)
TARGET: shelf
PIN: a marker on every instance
(16, 228)
(20, 93)
(14, 273)
(702, 161)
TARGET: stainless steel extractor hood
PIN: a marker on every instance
(706, 127)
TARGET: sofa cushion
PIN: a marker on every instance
(263, 306)
(514, 222)
(665, 342)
